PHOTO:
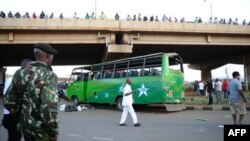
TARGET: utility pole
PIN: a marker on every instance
(245, 73)
(211, 8)
(95, 10)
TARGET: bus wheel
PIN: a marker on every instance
(119, 104)
(74, 100)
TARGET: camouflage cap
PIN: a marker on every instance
(46, 47)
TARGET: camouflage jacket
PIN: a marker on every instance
(33, 90)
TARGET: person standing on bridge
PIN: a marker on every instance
(127, 102)
(37, 97)
(103, 16)
(117, 17)
(237, 99)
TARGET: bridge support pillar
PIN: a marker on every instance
(247, 75)
(117, 51)
(2, 79)
(206, 74)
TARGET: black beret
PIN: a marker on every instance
(46, 47)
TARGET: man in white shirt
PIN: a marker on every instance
(201, 87)
(127, 102)
(218, 90)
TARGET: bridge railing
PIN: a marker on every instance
(121, 26)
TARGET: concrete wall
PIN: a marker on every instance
(123, 26)
(86, 31)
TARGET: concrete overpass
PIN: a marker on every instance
(79, 41)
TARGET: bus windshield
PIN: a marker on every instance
(78, 75)
(175, 63)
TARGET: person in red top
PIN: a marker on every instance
(225, 88)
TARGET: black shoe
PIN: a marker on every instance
(137, 124)
(122, 124)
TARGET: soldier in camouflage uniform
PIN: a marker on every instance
(10, 120)
(33, 92)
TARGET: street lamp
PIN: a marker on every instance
(95, 10)
(211, 7)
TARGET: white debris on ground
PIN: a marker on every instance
(63, 104)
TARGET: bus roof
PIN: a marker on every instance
(130, 58)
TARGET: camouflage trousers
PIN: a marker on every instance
(37, 134)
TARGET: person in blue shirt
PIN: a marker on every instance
(237, 99)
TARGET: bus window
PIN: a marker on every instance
(153, 62)
(124, 74)
(74, 77)
(144, 72)
(78, 78)
(175, 63)
(133, 73)
(117, 75)
(96, 70)
(107, 70)
(85, 76)
(155, 72)
(81, 77)
(107, 74)
(97, 75)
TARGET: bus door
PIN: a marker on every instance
(85, 83)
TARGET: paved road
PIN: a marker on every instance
(101, 124)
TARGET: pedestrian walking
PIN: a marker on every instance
(127, 102)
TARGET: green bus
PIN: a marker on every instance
(158, 78)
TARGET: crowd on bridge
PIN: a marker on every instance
(134, 17)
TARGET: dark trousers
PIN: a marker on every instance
(202, 92)
(10, 123)
(225, 94)
(210, 100)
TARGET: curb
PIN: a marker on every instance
(210, 108)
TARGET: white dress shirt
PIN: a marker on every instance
(6, 86)
(127, 100)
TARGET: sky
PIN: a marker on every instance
(175, 8)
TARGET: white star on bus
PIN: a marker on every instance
(143, 90)
(121, 88)
(106, 95)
